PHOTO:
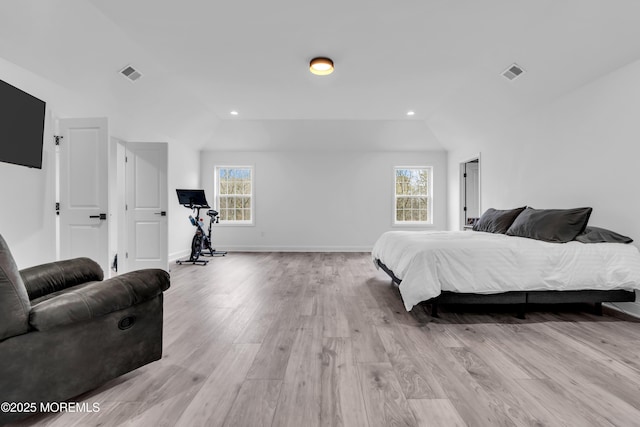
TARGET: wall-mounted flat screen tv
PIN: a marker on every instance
(21, 127)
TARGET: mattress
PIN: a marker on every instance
(429, 262)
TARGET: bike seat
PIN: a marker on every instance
(212, 213)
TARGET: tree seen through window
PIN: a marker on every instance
(235, 194)
(412, 195)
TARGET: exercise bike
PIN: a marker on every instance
(201, 242)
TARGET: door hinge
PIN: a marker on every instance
(126, 159)
(126, 207)
(58, 138)
(464, 209)
(126, 255)
(57, 208)
(465, 175)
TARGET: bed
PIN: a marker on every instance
(494, 267)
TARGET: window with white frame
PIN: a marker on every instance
(234, 194)
(413, 197)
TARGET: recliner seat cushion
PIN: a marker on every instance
(14, 301)
(95, 299)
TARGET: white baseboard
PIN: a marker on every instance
(174, 256)
(295, 248)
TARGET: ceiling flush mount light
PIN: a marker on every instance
(321, 66)
(234, 113)
(411, 113)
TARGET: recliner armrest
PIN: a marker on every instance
(99, 298)
(55, 276)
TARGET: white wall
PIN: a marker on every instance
(27, 212)
(322, 135)
(184, 172)
(27, 215)
(320, 200)
(582, 149)
(117, 223)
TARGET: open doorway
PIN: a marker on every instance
(139, 199)
(470, 192)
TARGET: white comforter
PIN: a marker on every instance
(429, 262)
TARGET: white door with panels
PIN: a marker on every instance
(146, 206)
(83, 188)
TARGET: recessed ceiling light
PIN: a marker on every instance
(321, 66)
(411, 113)
(234, 113)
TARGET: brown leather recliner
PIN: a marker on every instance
(65, 331)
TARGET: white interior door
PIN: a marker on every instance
(146, 195)
(84, 193)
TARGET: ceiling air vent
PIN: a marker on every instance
(513, 72)
(131, 73)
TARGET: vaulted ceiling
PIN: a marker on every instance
(201, 59)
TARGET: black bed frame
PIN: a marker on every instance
(522, 298)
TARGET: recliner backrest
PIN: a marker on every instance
(14, 300)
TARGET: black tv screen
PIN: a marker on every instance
(21, 127)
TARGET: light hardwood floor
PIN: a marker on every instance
(315, 339)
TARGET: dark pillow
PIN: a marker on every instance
(497, 221)
(601, 235)
(550, 225)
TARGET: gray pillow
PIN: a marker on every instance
(497, 221)
(550, 225)
(601, 235)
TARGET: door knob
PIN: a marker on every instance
(163, 213)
